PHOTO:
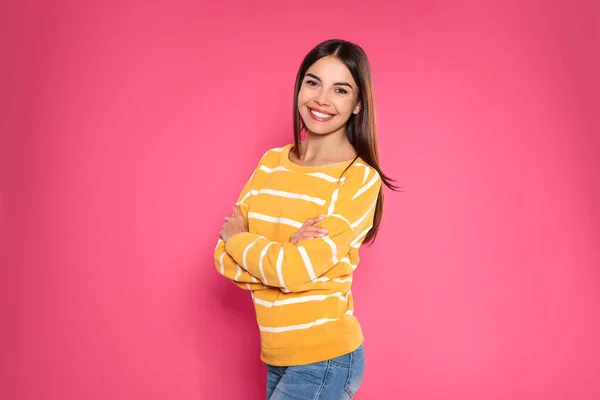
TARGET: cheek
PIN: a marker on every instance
(345, 106)
(303, 97)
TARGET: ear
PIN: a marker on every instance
(357, 108)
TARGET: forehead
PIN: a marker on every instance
(331, 69)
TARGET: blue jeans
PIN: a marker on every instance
(335, 379)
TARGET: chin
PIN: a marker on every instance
(319, 130)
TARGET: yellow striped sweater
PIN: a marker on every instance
(301, 293)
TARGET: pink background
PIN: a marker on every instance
(128, 129)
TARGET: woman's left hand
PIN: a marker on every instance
(234, 224)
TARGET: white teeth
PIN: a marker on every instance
(321, 115)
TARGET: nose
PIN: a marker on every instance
(322, 97)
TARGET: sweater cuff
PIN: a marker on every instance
(233, 246)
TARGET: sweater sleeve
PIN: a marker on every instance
(296, 268)
(224, 263)
(230, 269)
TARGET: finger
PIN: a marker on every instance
(237, 211)
(314, 229)
(296, 236)
(311, 235)
(312, 221)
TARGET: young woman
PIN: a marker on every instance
(295, 232)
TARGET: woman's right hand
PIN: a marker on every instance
(308, 231)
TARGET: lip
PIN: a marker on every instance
(313, 116)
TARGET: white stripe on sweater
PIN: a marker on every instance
(242, 201)
(289, 195)
(260, 261)
(326, 177)
(309, 268)
(288, 328)
(296, 327)
(298, 300)
(367, 170)
(334, 197)
(275, 220)
(361, 219)
(342, 218)
(271, 170)
(278, 267)
(333, 247)
(366, 187)
(222, 264)
(245, 253)
(338, 280)
(319, 175)
(355, 243)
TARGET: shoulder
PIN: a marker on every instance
(360, 181)
(273, 154)
(360, 174)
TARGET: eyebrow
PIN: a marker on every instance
(337, 83)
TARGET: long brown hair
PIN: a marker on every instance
(361, 128)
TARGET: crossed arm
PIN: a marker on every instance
(241, 277)
(253, 262)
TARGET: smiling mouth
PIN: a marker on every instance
(320, 116)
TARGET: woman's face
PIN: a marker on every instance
(328, 96)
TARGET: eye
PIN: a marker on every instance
(311, 83)
(341, 91)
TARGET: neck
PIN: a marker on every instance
(327, 147)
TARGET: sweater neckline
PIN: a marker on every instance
(289, 164)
